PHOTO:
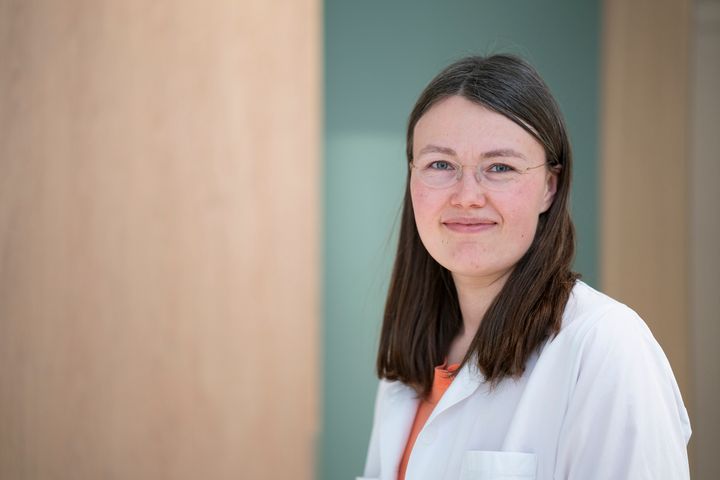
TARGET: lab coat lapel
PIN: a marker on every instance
(398, 415)
(465, 383)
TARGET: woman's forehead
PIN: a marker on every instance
(459, 126)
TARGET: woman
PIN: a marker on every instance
(495, 360)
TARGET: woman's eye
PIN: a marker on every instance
(441, 165)
(500, 168)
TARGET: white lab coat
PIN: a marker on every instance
(599, 401)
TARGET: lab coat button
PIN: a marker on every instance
(429, 434)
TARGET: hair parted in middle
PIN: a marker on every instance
(422, 314)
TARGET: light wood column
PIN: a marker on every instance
(159, 259)
(645, 216)
(704, 201)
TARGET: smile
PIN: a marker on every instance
(469, 226)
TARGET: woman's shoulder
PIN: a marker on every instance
(606, 337)
(598, 328)
(589, 310)
(624, 404)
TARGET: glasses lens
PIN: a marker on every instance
(438, 173)
(443, 173)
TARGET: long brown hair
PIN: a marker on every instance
(422, 313)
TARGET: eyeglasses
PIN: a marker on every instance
(494, 176)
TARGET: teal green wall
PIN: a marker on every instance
(378, 57)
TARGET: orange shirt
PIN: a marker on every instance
(441, 382)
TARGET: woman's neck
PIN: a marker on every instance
(475, 294)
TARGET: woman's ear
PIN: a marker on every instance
(551, 181)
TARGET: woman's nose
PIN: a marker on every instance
(469, 191)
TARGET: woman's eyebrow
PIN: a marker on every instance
(497, 153)
(437, 149)
(503, 153)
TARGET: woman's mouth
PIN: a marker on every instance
(468, 225)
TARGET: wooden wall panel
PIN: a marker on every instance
(644, 221)
(704, 199)
(159, 220)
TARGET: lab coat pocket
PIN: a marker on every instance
(483, 465)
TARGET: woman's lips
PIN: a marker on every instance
(469, 226)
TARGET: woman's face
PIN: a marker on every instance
(478, 229)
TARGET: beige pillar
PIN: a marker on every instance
(644, 258)
(645, 160)
(159, 239)
(704, 198)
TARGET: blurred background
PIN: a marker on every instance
(199, 202)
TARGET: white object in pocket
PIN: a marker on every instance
(484, 465)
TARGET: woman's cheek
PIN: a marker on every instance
(422, 204)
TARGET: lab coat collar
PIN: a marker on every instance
(400, 409)
(466, 382)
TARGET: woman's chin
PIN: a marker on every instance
(485, 274)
